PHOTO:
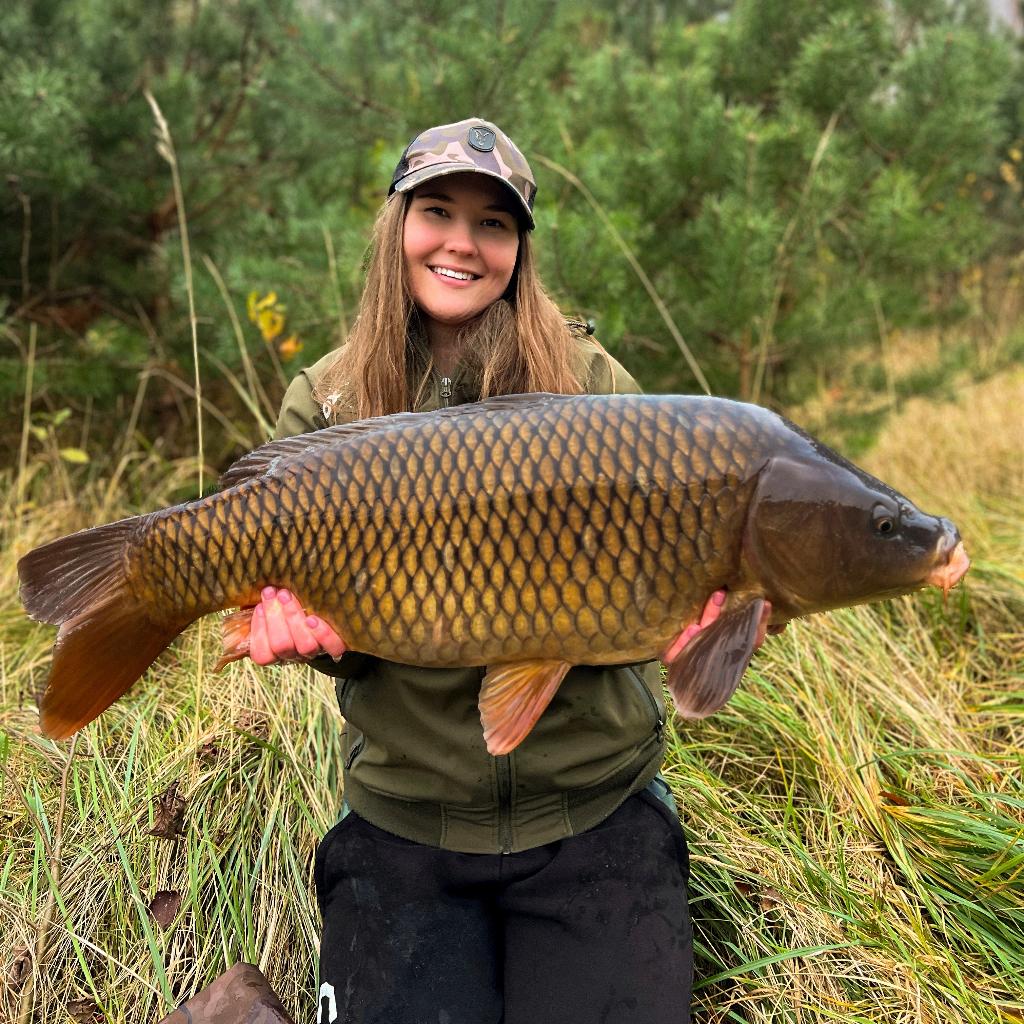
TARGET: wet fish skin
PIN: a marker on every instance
(547, 529)
(487, 537)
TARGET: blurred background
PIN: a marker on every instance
(804, 185)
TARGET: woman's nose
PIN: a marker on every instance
(460, 238)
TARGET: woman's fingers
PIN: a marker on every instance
(259, 642)
(278, 633)
(281, 630)
(328, 641)
(712, 608)
(301, 637)
(762, 626)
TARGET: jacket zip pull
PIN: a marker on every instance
(446, 391)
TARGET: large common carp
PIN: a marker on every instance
(526, 533)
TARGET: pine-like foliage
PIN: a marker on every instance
(798, 179)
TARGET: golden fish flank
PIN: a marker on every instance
(526, 534)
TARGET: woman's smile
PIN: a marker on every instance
(455, 275)
(460, 242)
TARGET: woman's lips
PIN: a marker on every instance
(435, 272)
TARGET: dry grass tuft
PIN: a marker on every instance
(856, 815)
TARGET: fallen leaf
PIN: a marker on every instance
(84, 1011)
(20, 970)
(170, 814)
(208, 752)
(164, 906)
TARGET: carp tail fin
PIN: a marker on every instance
(106, 640)
(706, 674)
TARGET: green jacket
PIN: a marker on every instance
(415, 760)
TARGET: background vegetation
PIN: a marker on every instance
(820, 203)
(798, 180)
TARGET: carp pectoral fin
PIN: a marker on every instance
(234, 636)
(513, 697)
(711, 666)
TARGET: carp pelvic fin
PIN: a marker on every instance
(513, 697)
(706, 674)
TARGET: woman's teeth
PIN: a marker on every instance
(457, 274)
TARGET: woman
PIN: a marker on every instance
(547, 884)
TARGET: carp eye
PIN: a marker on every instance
(883, 520)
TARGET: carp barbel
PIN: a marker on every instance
(526, 533)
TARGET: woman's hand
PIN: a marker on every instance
(282, 631)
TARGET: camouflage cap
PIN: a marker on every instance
(470, 145)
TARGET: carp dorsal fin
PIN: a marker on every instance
(263, 460)
(704, 677)
(513, 697)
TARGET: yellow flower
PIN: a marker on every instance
(271, 323)
(254, 305)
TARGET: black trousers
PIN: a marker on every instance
(594, 928)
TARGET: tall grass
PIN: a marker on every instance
(856, 814)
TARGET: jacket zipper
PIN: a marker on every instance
(659, 719)
(445, 391)
(503, 767)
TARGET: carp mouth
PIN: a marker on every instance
(951, 572)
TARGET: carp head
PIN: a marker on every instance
(823, 534)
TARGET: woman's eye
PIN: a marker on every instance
(493, 222)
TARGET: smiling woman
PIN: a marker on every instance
(546, 883)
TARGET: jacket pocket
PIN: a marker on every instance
(656, 709)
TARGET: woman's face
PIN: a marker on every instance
(460, 242)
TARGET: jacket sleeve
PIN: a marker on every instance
(299, 410)
(301, 414)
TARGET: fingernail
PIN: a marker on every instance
(718, 597)
(269, 592)
(312, 621)
(284, 597)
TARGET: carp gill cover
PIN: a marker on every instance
(526, 533)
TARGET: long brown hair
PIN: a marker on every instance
(520, 343)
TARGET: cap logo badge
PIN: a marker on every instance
(481, 139)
